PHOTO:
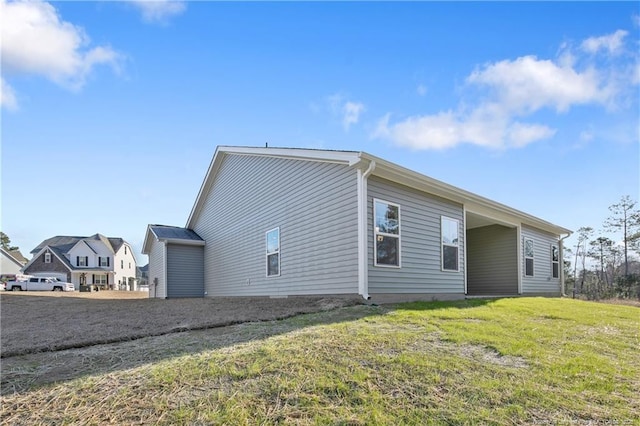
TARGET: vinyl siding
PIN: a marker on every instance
(156, 270)
(313, 203)
(185, 271)
(56, 267)
(492, 260)
(420, 216)
(128, 269)
(542, 280)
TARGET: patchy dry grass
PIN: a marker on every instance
(508, 361)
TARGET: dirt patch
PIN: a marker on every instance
(23, 372)
(47, 321)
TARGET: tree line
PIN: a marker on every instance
(599, 267)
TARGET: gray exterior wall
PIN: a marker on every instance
(492, 260)
(185, 271)
(156, 270)
(420, 218)
(39, 266)
(542, 280)
(314, 204)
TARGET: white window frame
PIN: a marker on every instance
(100, 282)
(442, 244)
(532, 257)
(267, 253)
(47, 257)
(101, 260)
(384, 234)
(557, 262)
(83, 261)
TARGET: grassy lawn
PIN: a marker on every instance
(506, 361)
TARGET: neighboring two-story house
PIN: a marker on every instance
(95, 260)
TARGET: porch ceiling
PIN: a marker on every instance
(474, 220)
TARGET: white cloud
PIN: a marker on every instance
(521, 134)
(36, 41)
(528, 84)
(421, 89)
(483, 127)
(7, 96)
(611, 43)
(348, 111)
(497, 96)
(159, 11)
(351, 113)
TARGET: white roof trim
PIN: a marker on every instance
(384, 169)
(86, 243)
(473, 203)
(146, 239)
(10, 257)
(40, 253)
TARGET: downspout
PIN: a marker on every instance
(561, 262)
(363, 279)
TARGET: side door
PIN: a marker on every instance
(34, 284)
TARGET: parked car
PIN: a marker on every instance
(39, 284)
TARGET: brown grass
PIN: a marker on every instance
(48, 321)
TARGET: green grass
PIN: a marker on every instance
(507, 361)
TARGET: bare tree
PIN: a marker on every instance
(584, 234)
(625, 219)
(600, 248)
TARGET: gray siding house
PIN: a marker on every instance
(283, 222)
(176, 262)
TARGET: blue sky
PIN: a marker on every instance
(111, 111)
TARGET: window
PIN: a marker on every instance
(555, 264)
(122, 264)
(386, 233)
(103, 261)
(273, 252)
(100, 279)
(47, 257)
(528, 257)
(129, 265)
(449, 234)
(125, 249)
(82, 260)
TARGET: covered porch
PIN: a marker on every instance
(98, 278)
(492, 256)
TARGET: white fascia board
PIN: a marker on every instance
(81, 242)
(206, 184)
(342, 157)
(11, 258)
(473, 202)
(147, 240)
